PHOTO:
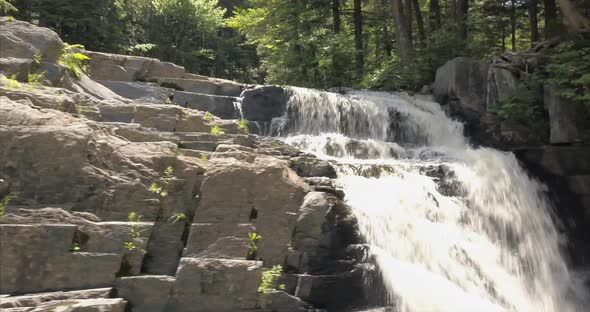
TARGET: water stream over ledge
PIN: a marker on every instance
(451, 227)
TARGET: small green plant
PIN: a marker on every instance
(74, 61)
(134, 231)
(75, 247)
(204, 157)
(270, 279)
(177, 217)
(36, 79)
(4, 202)
(162, 187)
(217, 130)
(208, 116)
(253, 244)
(10, 82)
(243, 126)
(168, 101)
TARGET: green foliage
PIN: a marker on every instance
(568, 69)
(36, 79)
(243, 126)
(161, 188)
(6, 7)
(520, 108)
(73, 60)
(270, 279)
(169, 101)
(10, 82)
(4, 202)
(134, 231)
(253, 239)
(217, 130)
(142, 49)
(204, 157)
(208, 116)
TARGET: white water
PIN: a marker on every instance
(452, 228)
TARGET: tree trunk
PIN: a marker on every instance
(401, 31)
(462, 8)
(434, 15)
(534, 24)
(419, 22)
(572, 17)
(336, 16)
(358, 38)
(408, 13)
(550, 19)
(387, 47)
(513, 23)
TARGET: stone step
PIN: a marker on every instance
(37, 258)
(146, 293)
(206, 285)
(207, 146)
(33, 300)
(210, 86)
(225, 107)
(76, 305)
(219, 240)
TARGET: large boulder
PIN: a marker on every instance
(25, 40)
(502, 84)
(265, 192)
(205, 285)
(263, 103)
(566, 117)
(462, 82)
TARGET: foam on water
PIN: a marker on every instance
(452, 228)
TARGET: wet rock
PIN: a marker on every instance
(309, 166)
(566, 118)
(263, 103)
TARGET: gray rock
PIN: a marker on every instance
(310, 166)
(271, 206)
(210, 86)
(218, 240)
(35, 300)
(205, 285)
(83, 305)
(11, 65)
(502, 84)
(147, 293)
(311, 217)
(279, 301)
(24, 40)
(264, 103)
(463, 82)
(565, 117)
(37, 258)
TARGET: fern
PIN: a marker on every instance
(74, 61)
(10, 82)
(36, 79)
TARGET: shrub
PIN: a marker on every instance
(270, 279)
(10, 82)
(243, 126)
(253, 244)
(73, 60)
(134, 231)
(217, 130)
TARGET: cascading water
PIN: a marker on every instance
(451, 227)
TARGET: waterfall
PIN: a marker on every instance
(451, 227)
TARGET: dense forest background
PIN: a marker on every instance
(387, 44)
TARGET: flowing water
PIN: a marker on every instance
(451, 227)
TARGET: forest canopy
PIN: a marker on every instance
(387, 44)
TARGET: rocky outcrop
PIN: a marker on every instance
(156, 204)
